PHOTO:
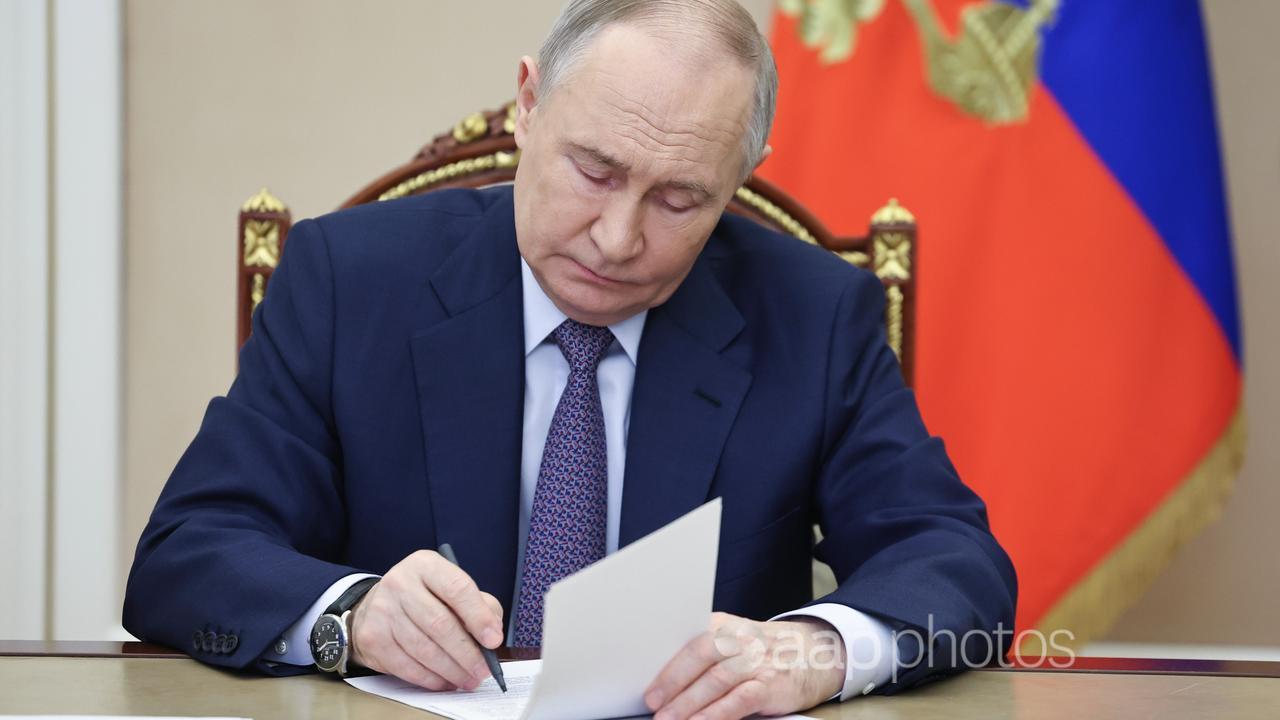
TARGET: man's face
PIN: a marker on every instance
(625, 170)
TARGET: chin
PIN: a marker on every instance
(591, 306)
(597, 316)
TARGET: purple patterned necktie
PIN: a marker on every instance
(567, 525)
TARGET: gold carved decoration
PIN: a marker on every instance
(987, 70)
(470, 128)
(784, 220)
(257, 291)
(775, 213)
(461, 168)
(263, 201)
(892, 253)
(509, 124)
(891, 249)
(261, 243)
(854, 257)
(893, 315)
(892, 214)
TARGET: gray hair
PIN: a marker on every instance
(729, 25)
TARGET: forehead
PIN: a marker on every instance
(658, 103)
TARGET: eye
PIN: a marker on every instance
(599, 179)
(677, 204)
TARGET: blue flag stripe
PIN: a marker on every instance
(1133, 76)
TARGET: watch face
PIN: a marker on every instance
(328, 642)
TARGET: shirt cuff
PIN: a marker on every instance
(870, 652)
(294, 646)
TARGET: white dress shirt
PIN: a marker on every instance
(869, 645)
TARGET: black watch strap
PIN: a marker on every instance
(352, 596)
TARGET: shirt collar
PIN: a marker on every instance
(541, 316)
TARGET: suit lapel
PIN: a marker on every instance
(686, 397)
(469, 369)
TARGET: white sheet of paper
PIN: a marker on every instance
(606, 632)
(609, 629)
(486, 702)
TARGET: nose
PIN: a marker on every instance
(616, 232)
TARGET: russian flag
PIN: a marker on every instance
(1078, 346)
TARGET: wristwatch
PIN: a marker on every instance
(331, 635)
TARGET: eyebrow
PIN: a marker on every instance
(600, 156)
(692, 186)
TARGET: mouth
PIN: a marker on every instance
(592, 276)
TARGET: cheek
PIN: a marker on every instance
(559, 215)
(678, 238)
(670, 251)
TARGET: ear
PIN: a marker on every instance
(764, 155)
(526, 96)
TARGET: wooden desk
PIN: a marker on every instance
(136, 679)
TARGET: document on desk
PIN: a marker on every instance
(486, 702)
(606, 632)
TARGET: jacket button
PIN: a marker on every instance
(207, 643)
(220, 643)
(197, 639)
(233, 641)
(282, 647)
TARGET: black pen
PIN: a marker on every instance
(490, 657)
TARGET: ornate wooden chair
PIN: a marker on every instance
(481, 150)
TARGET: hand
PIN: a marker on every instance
(421, 622)
(742, 667)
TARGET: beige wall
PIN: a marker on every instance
(315, 98)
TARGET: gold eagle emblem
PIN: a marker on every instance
(987, 70)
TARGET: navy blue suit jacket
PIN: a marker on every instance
(379, 409)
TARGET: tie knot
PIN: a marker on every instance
(583, 345)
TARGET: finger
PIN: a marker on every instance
(457, 590)
(494, 604)
(719, 680)
(436, 621)
(423, 648)
(720, 619)
(396, 661)
(688, 665)
(743, 701)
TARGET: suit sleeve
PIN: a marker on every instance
(245, 533)
(909, 543)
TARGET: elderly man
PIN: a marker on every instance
(539, 375)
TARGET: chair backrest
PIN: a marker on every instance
(480, 151)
